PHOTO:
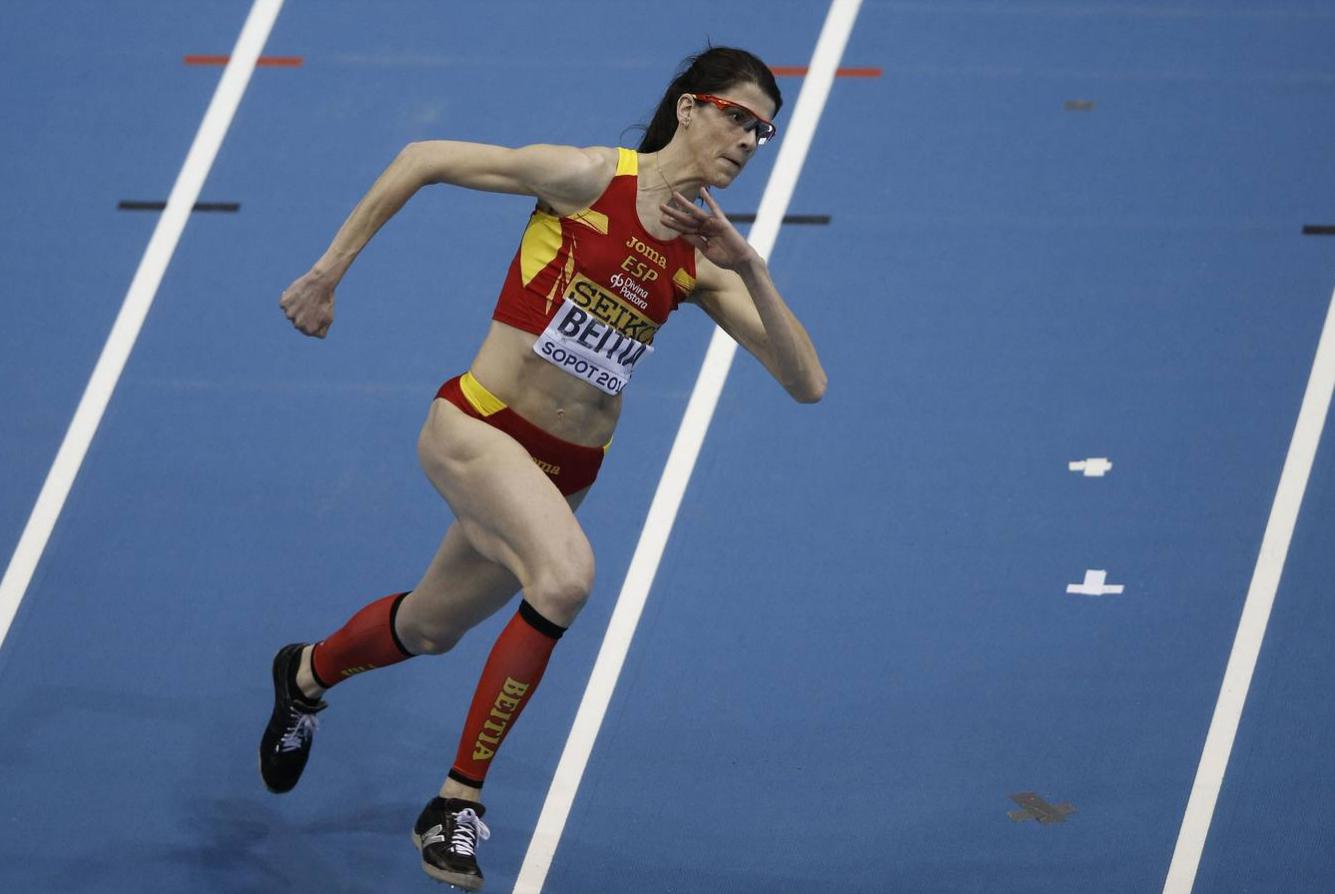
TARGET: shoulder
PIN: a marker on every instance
(570, 178)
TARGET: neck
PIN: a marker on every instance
(671, 168)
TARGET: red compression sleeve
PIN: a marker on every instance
(512, 673)
(366, 642)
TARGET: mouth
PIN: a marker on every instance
(734, 163)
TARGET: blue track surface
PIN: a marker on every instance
(859, 643)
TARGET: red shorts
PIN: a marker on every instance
(571, 467)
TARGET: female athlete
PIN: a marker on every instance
(613, 245)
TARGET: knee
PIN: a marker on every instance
(559, 591)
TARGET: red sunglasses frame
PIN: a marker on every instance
(724, 104)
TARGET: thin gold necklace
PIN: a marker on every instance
(671, 189)
(661, 176)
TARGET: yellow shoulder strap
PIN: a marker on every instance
(628, 161)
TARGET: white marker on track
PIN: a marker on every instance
(1096, 467)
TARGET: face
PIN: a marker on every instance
(724, 139)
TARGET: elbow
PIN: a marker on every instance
(410, 160)
(811, 391)
(420, 149)
(410, 154)
(424, 161)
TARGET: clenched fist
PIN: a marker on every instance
(309, 304)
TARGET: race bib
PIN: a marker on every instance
(596, 336)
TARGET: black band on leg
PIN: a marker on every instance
(461, 778)
(393, 629)
(538, 622)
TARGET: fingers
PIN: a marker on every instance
(689, 207)
(315, 324)
(313, 328)
(685, 211)
(709, 200)
(676, 206)
(312, 321)
(682, 215)
(702, 228)
(682, 223)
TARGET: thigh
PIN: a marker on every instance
(506, 509)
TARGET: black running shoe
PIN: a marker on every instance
(287, 739)
(447, 834)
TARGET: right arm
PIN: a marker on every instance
(562, 177)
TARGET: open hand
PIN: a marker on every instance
(309, 304)
(709, 231)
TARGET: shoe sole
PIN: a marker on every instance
(465, 882)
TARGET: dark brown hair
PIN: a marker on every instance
(714, 70)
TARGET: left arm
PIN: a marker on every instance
(733, 286)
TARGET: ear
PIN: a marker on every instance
(685, 108)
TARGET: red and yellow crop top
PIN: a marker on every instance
(594, 286)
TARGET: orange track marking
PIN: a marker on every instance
(264, 61)
(796, 71)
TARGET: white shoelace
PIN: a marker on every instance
(300, 732)
(468, 828)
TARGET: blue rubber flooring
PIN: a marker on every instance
(859, 643)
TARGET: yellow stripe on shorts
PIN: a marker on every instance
(482, 400)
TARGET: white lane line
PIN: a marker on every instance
(138, 300)
(1255, 615)
(672, 486)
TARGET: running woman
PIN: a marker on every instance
(613, 246)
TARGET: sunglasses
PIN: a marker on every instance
(740, 115)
